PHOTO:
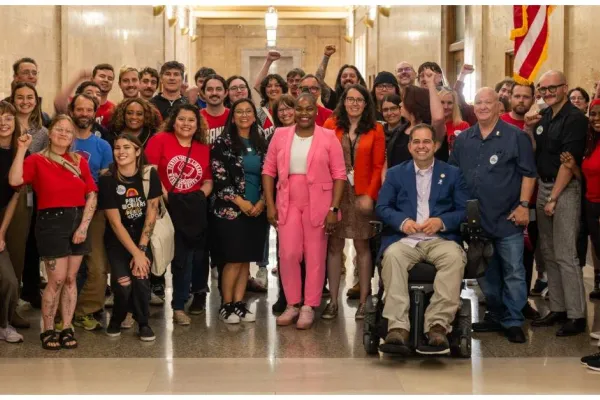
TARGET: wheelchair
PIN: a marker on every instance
(420, 283)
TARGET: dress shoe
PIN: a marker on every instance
(19, 322)
(515, 334)
(572, 327)
(530, 312)
(487, 326)
(550, 319)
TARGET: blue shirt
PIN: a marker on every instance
(96, 151)
(494, 169)
(252, 173)
(200, 103)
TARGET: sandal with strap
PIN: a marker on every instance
(50, 340)
(67, 336)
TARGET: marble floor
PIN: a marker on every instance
(212, 357)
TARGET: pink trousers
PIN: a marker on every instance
(299, 239)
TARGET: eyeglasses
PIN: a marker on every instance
(355, 100)
(63, 130)
(241, 113)
(7, 118)
(552, 89)
(312, 89)
(405, 69)
(390, 109)
(240, 88)
(385, 86)
(285, 110)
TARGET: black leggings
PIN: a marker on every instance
(131, 292)
(592, 215)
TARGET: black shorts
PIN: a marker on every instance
(54, 232)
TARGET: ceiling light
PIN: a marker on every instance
(271, 18)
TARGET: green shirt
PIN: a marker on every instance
(252, 173)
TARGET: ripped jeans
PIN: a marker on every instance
(131, 293)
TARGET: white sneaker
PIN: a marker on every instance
(110, 301)
(128, 322)
(10, 335)
(242, 311)
(595, 335)
(214, 274)
(262, 277)
(227, 314)
(155, 300)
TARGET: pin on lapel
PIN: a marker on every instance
(442, 176)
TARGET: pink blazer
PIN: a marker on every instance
(325, 164)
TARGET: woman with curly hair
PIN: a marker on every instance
(238, 222)
(134, 116)
(363, 142)
(182, 159)
(271, 89)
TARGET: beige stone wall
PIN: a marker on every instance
(220, 44)
(64, 39)
(582, 50)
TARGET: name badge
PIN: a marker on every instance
(539, 130)
(493, 159)
(351, 178)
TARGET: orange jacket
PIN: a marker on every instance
(368, 159)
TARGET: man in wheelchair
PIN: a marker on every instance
(422, 204)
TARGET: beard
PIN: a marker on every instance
(83, 123)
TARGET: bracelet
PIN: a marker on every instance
(143, 248)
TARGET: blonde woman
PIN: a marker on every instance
(454, 123)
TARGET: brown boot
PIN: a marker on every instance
(397, 336)
(438, 336)
(19, 322)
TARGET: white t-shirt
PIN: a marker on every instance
(299, 154)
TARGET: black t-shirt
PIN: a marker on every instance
(6, 191)
(397, 148)
(129, 198)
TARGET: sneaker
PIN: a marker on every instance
(87, 322)
(113, 330)
(146, 334)
(159, 290)
(306, 318)
(289, 316)
(262, 277)
(227, 314)
(128, 321)
(214, 273)
(330, 312)
(243, 312)
(539, 288)
(10, 335)
(110, 301)
(595, 335)
(181, 318)
(360, 313)
(591, 357)
(594, 365)
(155, 300)
(198, 305)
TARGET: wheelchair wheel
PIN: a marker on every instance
(371, 343)
(460, 346)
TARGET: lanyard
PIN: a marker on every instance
(352, 149)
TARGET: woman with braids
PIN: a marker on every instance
(66, 195)
(136, 117)
(129, 195)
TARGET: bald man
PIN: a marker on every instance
(497, 161)
(559, 128)
(405, 73)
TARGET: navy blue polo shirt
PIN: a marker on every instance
(493, 169)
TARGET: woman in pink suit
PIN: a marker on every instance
(308, 162)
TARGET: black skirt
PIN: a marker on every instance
(240, 240)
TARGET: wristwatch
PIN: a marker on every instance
(550, 199)
(334, 209)
(143, 248)
(524, 204)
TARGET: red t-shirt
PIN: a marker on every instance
(269, 128)
(164, 151)
(507, 118)
(591, 170)
(452, 131)
(56, 186)
(104, 113)
(322, 115)
(216, 125)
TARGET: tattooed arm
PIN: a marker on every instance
(151, 214)
(88, 213)
(322, 71)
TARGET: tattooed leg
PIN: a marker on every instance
(69, 295)
(56, 270)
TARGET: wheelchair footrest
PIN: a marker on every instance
(428, 350)
(395, 349)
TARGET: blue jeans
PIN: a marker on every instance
(186, 257)
(504, 284)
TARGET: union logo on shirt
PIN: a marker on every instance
(192, 174)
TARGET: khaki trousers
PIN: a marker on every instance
(91, 299)
(449, 259)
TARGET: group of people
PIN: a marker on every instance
(82, 193)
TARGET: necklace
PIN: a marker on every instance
(302, 139)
